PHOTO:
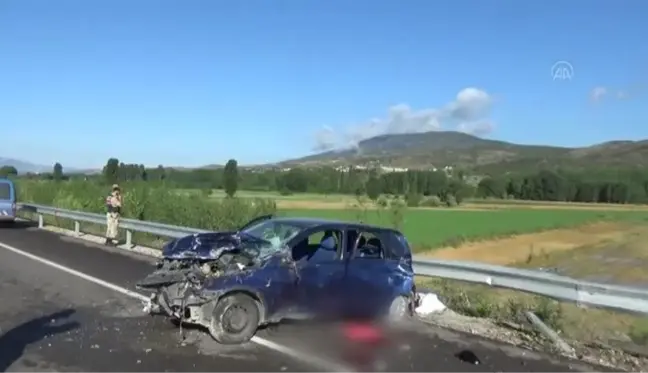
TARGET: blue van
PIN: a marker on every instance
(7, 201)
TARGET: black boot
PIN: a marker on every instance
(108, 242)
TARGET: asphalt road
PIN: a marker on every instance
(68, 305)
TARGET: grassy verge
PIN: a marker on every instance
(622, 260)
(573, 323)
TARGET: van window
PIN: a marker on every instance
(5, 191)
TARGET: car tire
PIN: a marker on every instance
(235, 319)
(8, 223)
(400, 309)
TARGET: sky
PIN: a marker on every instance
(196, 82)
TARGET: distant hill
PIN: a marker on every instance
(24, 167)
(449, 148)
(443, 148)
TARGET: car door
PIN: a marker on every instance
(319, 273)
(7, 200)
(369, 277)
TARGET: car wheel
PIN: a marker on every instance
(235, 319)
(399, 309)
(8, 223)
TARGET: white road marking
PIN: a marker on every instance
(304, 357)
(76, 273)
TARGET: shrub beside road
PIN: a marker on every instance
(146, 202)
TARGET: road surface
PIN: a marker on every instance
(70, 305)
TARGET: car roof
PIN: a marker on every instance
(340, 224)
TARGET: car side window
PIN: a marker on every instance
(368, 245)
(397, 246)
(320, 246)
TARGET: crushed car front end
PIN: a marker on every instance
(196, 271)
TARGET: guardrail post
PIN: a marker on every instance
(129, 238)
(40, 221)
(77, 228)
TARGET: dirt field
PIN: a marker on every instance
(519, 248)
(605, 252)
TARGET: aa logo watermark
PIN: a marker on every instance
(562, 70)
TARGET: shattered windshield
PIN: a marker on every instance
(276, 233)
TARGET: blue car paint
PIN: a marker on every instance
(273, 283)
(7, 200)
(332, 281)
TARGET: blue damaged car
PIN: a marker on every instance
(276, 268)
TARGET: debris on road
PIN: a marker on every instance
(429, 303)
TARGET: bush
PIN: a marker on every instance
(382, 202)
(414, 199)
(451, 201)
(145, 202)
(285, 192)
(432, 201)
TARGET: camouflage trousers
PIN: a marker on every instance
(112, 225)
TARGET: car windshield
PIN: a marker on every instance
(274, 232)
(5, 191)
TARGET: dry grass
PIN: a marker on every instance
(517, 248)
(600, 252)
(558, 206)
(311, 204)
(530, 203)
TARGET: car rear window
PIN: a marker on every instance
(5, 191)
(400, 246)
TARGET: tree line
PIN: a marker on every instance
(583, 185)
(594, 186)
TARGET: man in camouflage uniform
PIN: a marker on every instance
(113, 212)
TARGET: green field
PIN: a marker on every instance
(433, 228)
(219, 193)
(445, 227)
(426, 228)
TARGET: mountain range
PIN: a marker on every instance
(24, 167)
(448, 148)
(438, 149)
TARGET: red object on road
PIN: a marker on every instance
(363, 333)
(364, 344)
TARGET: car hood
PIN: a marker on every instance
(202, 245)
(212, 245)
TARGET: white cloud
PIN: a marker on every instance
(468, 112)
(598, 93)
(478, 128)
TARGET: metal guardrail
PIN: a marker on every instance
(536, 282)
